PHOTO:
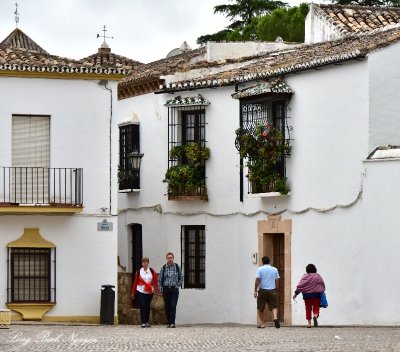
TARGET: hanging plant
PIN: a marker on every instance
(264, 150)
(194, 153)
(187, 179)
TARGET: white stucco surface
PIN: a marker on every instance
(80, 113)
(318, 29)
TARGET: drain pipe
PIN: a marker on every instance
(103, 83)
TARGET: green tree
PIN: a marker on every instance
(287, 23)
(241, 14)
(394, 3)
(243, 11)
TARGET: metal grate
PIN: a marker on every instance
(186, 125)
(265, 110)
(129, 141)
(193, 246)
(31, 275)
(39, 185)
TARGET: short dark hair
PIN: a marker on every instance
(169, 253)
(310, 268)
(265, 260)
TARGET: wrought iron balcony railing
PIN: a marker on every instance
(41, 186)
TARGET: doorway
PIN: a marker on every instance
(274, 241)
(137, 253)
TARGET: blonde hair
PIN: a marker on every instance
(145, 259)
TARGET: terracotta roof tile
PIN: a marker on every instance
(104, 57)
(153, 70)
(305, 57)
(18, 52)
(12, 59)
(355, 18)
(19, 40)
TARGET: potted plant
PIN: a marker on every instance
(264, 150)
(186, 180)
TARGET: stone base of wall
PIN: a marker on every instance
(131, 316)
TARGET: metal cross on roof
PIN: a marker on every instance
(16, 15)
(104, 30)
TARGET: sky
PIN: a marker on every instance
(143, 30)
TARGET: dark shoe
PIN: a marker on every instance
(276, 322)
(315, 321)
(169, 325)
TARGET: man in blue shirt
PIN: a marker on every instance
(265, 292)
(169, 281)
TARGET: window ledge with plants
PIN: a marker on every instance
(265, 150)
(186, 179)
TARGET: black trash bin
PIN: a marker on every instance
(107, 305)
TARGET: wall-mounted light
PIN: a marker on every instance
(134, 160)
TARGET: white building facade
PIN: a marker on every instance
(338, 198)
(58, 195)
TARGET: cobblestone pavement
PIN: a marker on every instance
(210, 338)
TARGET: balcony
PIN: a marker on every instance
(28, 190)
(188, 193)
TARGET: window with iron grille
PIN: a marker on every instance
(186, 127)
(193, 245)
(266, 111)
(31, 275)
(129, 141)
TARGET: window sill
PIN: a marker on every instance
(31, 311)
(188, 198)
(267, 195)
(134, 190)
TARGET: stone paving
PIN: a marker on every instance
(210, 338)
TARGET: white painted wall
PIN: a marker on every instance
(381, 243)
(384, 83)
(86, 259)
(79, 127)
(317, 29)
(80, 113)
(234, 50)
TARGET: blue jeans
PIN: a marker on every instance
(171, 295)
(144, 305)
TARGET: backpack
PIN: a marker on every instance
(177, 269)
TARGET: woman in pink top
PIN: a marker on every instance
(311, 285)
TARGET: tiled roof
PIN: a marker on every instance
(274, 86)
(33, 62)
(153, 70)
(305, 57)
(17, 39)
(19, 53)
(186, 101)
(148, 77)
(104, 57)
(355, 19)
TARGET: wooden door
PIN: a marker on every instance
(279, 263)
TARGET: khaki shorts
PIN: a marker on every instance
(264, 297)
